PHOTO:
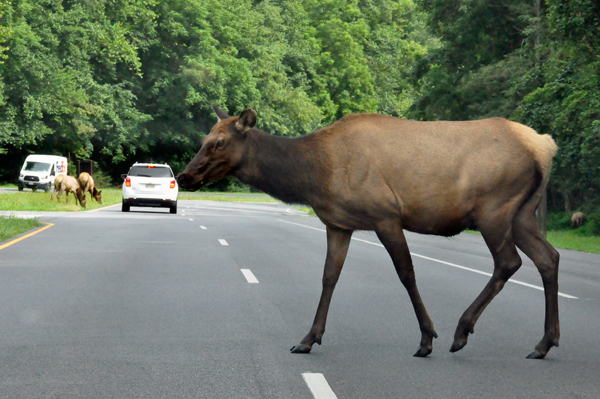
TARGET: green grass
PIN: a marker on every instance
(568, 239)
(40, 201)
(227, 198)
(12, 226)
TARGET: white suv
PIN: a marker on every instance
(150, 184)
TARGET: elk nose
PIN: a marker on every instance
(182, 179)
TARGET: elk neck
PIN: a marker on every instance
(293, 170)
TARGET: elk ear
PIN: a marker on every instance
(246, 121)
(222, 115)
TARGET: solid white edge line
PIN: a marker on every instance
(445, 263)
(249, 276)
(318, 386)
(223, 242)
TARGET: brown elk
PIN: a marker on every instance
(577, 220)
(57, 181)
(86, 181)
(377, 172)
(68, 185)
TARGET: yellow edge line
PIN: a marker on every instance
(8, 244)
(104, 207)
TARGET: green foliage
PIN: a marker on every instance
(132, 80)
(558, 221)
(537, 63)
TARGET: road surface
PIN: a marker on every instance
(208, 302)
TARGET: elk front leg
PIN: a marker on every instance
(337, 248)
(392, 237)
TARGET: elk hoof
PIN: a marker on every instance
(536, 355)
(423, 352)
(302, 348)
(458, 345)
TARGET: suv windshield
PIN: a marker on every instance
(36, 166)
(154, 171)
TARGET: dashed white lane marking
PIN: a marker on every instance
(223, 242)
(203, 227)
(249, 276)
(445, 263)
(191, 220)
(318, 386)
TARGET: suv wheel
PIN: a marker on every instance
(125, 207)
(174, 208)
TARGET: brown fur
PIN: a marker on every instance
(376, 172)
(68, 185)
(86, 181)
(57, 180)
(577, 219)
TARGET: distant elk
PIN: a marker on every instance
(69, 184)
(377, 172)
(86, 181)
(577, 219)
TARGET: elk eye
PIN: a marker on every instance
(220, 143)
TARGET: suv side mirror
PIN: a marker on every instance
(124, 176)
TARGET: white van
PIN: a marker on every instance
(39, 171)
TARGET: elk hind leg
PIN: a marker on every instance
(506, 262)
(392, 237)
(531, 241)
(338, 242)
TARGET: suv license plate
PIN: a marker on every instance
(150, 185)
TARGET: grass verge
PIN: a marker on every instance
(40, 201)
(568, 239)
(12, 226)
(226, 197)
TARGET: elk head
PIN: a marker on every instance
(222, 150)
(81, 197)
(97, 195)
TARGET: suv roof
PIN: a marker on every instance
(151, 163)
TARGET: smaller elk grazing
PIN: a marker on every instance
(377, 172)
(68, 185)
(86, 181)
(577, 219)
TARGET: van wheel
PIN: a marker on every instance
(20, 188)
(174, 209)
(125, 207)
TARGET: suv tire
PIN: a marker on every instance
(125, 207)
(174, 208)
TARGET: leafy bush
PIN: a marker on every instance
(591, 226)
(559, 221)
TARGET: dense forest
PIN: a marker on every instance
(119, 81)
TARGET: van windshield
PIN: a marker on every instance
(36, 166)
(150, 171)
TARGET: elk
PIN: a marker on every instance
(381, 173)
(86, 181)
(577, 220)
(68, 185)
(57, 180)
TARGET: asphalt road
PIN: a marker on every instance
(147, 304)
